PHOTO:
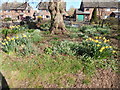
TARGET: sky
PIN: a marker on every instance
(69, 3)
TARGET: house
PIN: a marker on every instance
(44, 12)
(104, 9)
(115, 14)
(16, 10)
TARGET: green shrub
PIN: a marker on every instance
(94, 17)
(8, 19)
(19, 44)
(36, 36)
(97, 48)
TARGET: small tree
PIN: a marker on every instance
(94, 16)
(71, 11)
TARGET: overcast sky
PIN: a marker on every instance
(70, 3)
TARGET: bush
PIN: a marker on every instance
(94, 30)
(8, 19)
(97, 48)
(19, 44)
(94, 18)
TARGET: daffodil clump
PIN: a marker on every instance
(15, 27)
(13, 43)
(98, 47)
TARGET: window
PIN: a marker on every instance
(7, 10)
(16, 10)
(47, 16)
(28, 11)
(108, 9)
(0, 10)
(87, 9)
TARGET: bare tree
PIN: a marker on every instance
(56, 10)
(71, 11)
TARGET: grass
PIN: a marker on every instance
(49, 68)
(40, 69)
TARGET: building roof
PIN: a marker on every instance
(15, 6)
(44, 6)
(78, 12)
(101, 3)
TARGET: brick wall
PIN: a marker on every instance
(15, 14)
(103, 12)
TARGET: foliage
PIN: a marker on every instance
(16, 30)
(94, 16)
(8, 19)
(19, 44)
(113, 23)
(97, 48)
(45, 25)
(94, 30)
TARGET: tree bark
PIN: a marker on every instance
(57, 23)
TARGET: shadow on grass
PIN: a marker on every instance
(3, 83)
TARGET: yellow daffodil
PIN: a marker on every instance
(6, 42)
(86, 39)
(107, 40)
(90, 38)
(100, 37)
(17, 37)
(113, 51)
(100, 42)
(107, 47)
(96, 37)
(3, 44)
(12, 39)
(96, 41)
(24, 35)
(7, 37)
(98, 45)
(110, 46)
(104, 38)
(100, 50)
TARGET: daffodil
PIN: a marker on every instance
(96, 41)
(17, 37)
(105, 41)
(98, 45)
(7, 37)
(90, 38)
(104, 38)
(100, 50)
(100, 37)
(107, 47)
(110, 46)
(3, 44)
(113, 51)
(12, 39)
(24, 35)
(100, 42)
(96, 37)
(5, 40)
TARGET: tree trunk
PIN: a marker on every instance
(56, 10)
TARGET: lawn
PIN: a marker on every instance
(31, 58)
